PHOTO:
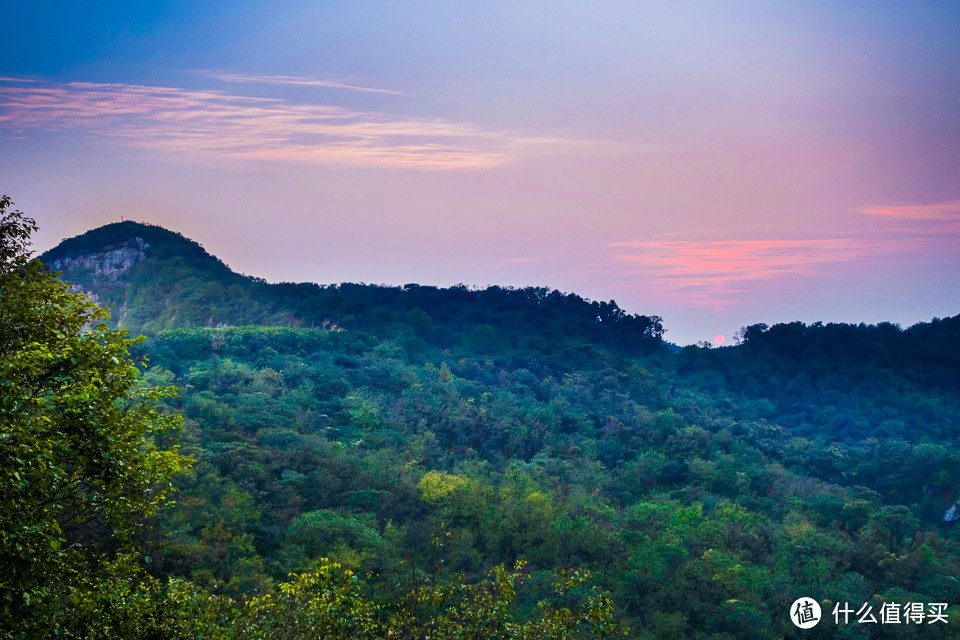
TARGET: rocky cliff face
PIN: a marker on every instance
(108, 265)
(148, 276)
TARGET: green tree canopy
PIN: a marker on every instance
(79, 464)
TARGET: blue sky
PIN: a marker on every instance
(716, 164)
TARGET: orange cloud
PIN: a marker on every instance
(220, 128)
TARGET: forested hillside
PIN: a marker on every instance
(424, 436)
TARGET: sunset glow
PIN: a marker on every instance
(717, 166)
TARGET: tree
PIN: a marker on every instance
(80, 463)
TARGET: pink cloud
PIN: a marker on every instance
(219, 128)
(718, 274)
(917, 212)
(736, 259)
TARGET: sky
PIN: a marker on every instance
(716, 164)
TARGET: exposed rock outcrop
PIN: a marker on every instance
(109, 265)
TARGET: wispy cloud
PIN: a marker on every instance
(293, 80)
(718, 274)
(941, 211)
(524, 260)
(221, 128)
(731, 260)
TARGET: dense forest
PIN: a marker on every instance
(375, 461)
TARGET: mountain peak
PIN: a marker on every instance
(125, 237)
(142, 271)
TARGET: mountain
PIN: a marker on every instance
(150, 277)
(419, 433)
(806, 377)
(155, 279)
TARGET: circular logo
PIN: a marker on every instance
(805, 612)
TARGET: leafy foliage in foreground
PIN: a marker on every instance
(330, 602)
(78, 469)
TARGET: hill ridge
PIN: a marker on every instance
(156, 279)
